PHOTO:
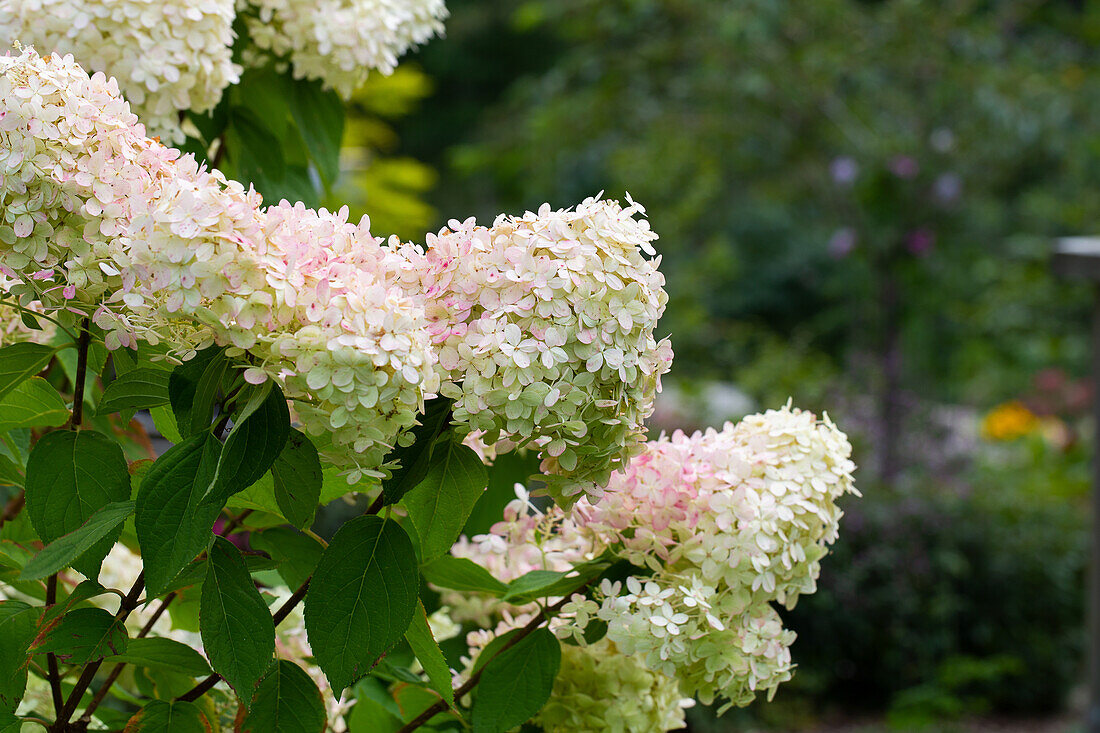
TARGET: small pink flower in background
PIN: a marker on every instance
(240, 539)
(904, 166)
(947, 188)
(920, 242)
(844, 170)
(842, 242)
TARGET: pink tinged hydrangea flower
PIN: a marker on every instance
(751, 505)
(159, 248)
(545, 326)
(168, 56)
(727, 521)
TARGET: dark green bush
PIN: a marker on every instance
(937, 606)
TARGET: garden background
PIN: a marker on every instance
(856, 203)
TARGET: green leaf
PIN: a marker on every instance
(319, 114)
(83, 591)
(516, 683)
(13, 555)
(515, 467)
(493, 648)
(173, 524)
(297, 554)
(9, 723)
(211, 124)
(70, 475)
(415, 699)
(266, 92)
(236, 626)
(61, 553)
(287, 701)
(424, 646)
(168, 717)
(534, 582)
(361, 599)
(155, 651)
(18, 626)
(415, 459)
(195, 572)
(298, 478)
(255, 150)
(370, 716)
(193, 390)
(165, 423)
(140, 389)
(32, 404)
(19, 362)
(84, 635)
(440, 504)
(261, 495)
(16, 444)
(10, 473)
(542, 583)
(462, 574)
(255, 442)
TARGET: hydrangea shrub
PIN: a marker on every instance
(293, 359)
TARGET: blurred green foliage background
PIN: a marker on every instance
(856, 202)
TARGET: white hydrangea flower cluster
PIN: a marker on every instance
(99, 219)
(724, 522)
(339, 42)
(598, 688)
(752, 505)
(167, 55)
(718, 643)
(342, 335)
(544, 325)
(98, 216)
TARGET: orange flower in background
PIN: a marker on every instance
(1009, 421)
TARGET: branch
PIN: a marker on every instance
(441, 705)
(129, 603)
(101, 693)
(219, 153)
(51, 659)
(233, 523)
(13, 507)
(283, 611)
(81, 374)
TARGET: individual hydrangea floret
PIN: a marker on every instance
(167, 55)
(339, 42)
(545, 330)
